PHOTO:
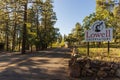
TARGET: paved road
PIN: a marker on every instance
(43, 65)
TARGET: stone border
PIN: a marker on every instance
(85, 67)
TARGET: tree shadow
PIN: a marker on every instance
(32, 66)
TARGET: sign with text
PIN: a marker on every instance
(98, 33)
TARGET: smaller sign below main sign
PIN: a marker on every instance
(98, 33)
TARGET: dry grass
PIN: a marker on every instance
(102, 54)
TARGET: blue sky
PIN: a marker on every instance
(69, 12)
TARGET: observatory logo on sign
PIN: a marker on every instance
(98, 26)
(98, 32)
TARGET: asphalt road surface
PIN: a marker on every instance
(43, 65)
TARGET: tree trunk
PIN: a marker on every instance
(19, 44)
(14, 37)
(7, 42)
(14, 32)
(24, 30)
(31, 48)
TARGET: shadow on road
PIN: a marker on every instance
(42, 65)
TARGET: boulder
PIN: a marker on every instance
(115, 66)
(116, 79)
(112, 72)
(75, 70)
(90, 72)
(118, 72)
(101, 74)
(87, 65)
(105, 68)
(84, 73)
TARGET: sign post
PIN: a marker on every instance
(108, 47)
(88, 48)
(99, 33)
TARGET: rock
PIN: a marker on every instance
(96, 79)
(109, 64)
(115, 66)
(84, 73)
(119, 65)
(89, 72)
(87, 65)
(112, 64)
(72, 61)
(101, 73)
(95, 65)
(105, 68)
(94, 70)
(116, 79)
(103, 64)
(74, 70)
(112, 72)
(118, 72)
(74, 73)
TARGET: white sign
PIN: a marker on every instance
(98, 33)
